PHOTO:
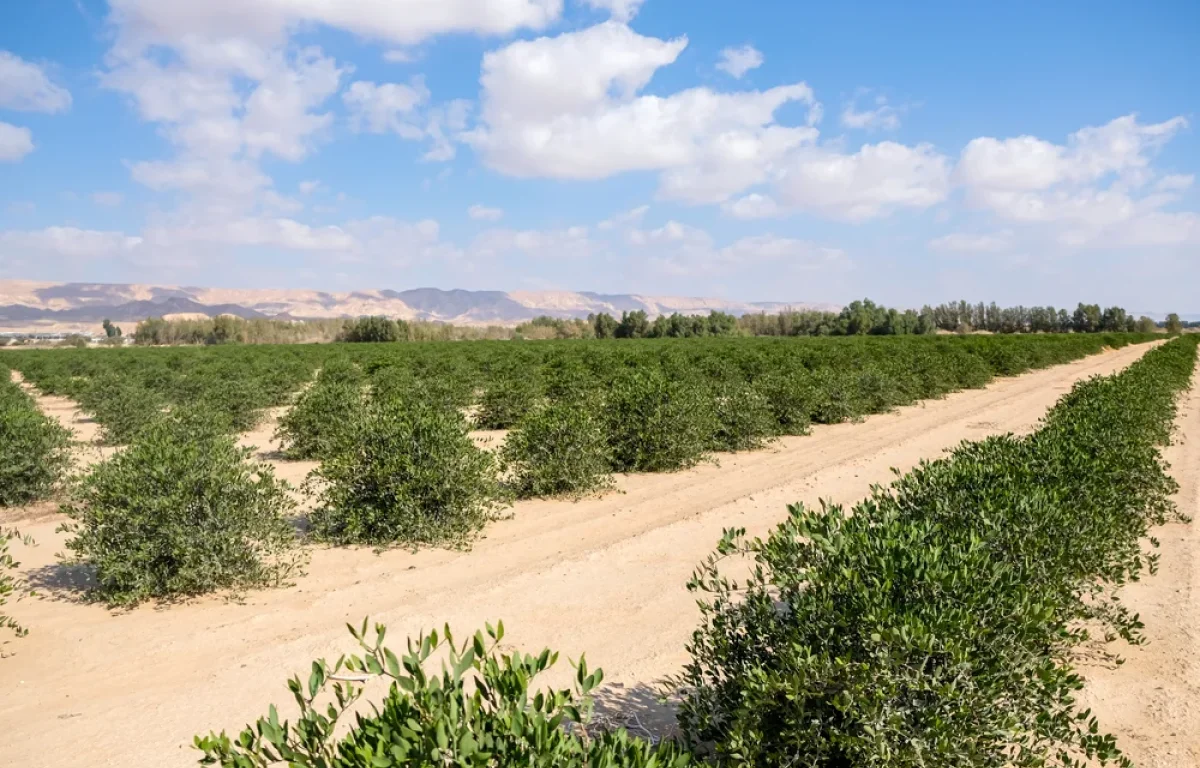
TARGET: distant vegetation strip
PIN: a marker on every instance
(858, 318)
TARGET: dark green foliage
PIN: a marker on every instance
(34, 448)
(410, 475)
(121, 405)
(559, 449)
(181, 512)
(481, 710)
(323, 419)
(506, 399)
(936, 625)
(373, 329)
(745, 420)
(656, 424)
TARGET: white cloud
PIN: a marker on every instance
(25, 86)
(403, 109)
(1090, 192)
(621, 10)
(680, 250)
(399, 56)
(70, 242)
(753, 206)
(966, 242)
(108, 199)
(882, 116)
(624, 219)
(572, 242)
(738, 61)
(15, 142)
(483, 213)
(155, 22)
(568, 107)
(875, 181)
(308, 187)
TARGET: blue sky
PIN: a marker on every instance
(1020, 152)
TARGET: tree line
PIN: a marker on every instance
(859, 318)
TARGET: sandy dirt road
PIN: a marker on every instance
(605, 576)
(1151, 703)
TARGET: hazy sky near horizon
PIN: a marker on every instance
(1022, 152)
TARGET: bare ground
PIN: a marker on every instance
(1152, 702)
(605, 575)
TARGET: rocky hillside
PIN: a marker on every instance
(32, 305)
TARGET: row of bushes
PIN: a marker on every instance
(34, 448)
(934, 624)
(845, 378)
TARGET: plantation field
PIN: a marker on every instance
(605, 574)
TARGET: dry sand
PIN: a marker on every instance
(1151, 703)
(606, 576)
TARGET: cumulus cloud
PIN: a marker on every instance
(738, 61)
(570, 107)
(875, 181)
(484, 213)
(1095, 190)
(26, 87)
(70, 242)
(403, 109)
(753, 206)
(15, 142)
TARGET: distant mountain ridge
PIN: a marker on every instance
(26, 304)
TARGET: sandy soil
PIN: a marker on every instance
(605, 575)
(1152, 702)
(83, 427)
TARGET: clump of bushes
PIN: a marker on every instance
(324, 417)
(559, 449)
(481, 710)
(34, 449)
(180, 512)
(121, 406)
(655, 423)
(745, 420)
(506, 399)
(937, 623)
(409, 474)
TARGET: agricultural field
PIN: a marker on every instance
(584, 520)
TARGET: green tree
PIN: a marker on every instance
(371, 329)
(605, 325)
(110, 330)
(633, 325)
(1173, 324)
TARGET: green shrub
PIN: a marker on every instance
(506, 400)
(34, 449)
(559, 449)
(181, 512)
(410, 474)
(656, 424)
(791, 398)
(322, 420)
(482, 710)
(121, 406)
(745, 420)
(937, 624)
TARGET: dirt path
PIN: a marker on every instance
(1152, 702)
(606, 576)
(83, 427)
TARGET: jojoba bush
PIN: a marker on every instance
(408, 474)
(481, 710)
(745, 420)
(323, 418)
(559, 449)
(180, 512)
(9, 584)
(656, 424)
(938, 623)
(34, 449)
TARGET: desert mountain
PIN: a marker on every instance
(29, 305)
